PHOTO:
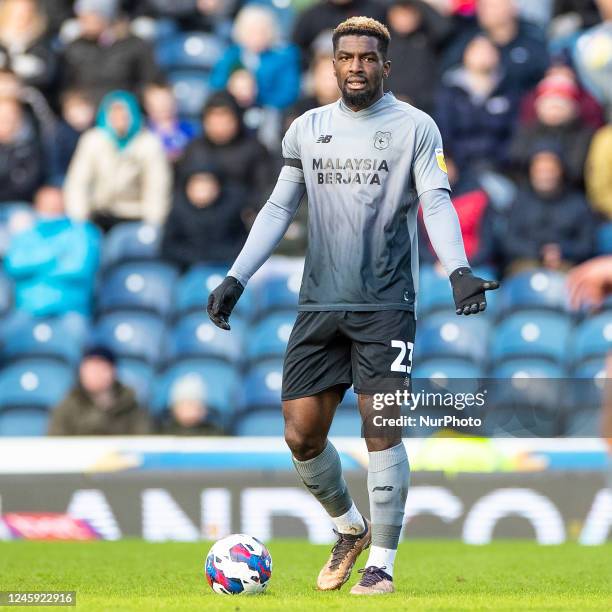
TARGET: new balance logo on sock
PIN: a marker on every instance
(387, 488)
(324, 138)
(312, 486)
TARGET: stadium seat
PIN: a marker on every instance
(137, 375)
(189, 50)
(586, 393)
(534, 289)
(526, 398)
(131, 241)
(145, 286)
(52, 338)
(193, 288)
(447, 335)
(263, 384)
(24, 422)
(279, 292)
(604, 239)
(266, 422)
(434, 292)
(34, 383)
(532, 334)
(592, 338)
(221, 381)
(446, 374)
(196, 336)
(191, 91)
(269, 337)
(137, 335)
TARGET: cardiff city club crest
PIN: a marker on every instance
(382, 140)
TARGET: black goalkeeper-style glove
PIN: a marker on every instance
(469, 291)
(222, 300)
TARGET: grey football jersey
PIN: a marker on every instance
(364, 172)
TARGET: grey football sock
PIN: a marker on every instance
(323, 478)
(388, 481)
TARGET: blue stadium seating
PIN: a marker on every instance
(534, 289)
(52, 338)
(526, 399)
(191, 90)
(147, 286)
(221, 380)
(196, 336)
(604, 239)
(189, 50)
(137, 335)
(193, 288)
(279, 292)
(24, 422)
(532, 334)
(447, 335)
(269, 337)
(137, 375)
(34, 383)
(266, 422)
(263, 384)
(131, 241)
(592, 338)
(434, 292)
(586, 391)
(446, 374)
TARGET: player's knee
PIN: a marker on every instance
(302, 446)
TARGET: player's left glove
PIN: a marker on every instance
(469, 291)
(222, 300)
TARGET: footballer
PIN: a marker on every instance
(366, 162)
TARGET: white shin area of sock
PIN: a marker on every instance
(382, 558)
(351, 522)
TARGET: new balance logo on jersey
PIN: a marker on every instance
(387, 488)
(324, 138)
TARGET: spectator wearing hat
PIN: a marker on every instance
(590, 111)
(417, 32)
(557, 121)
(476, 109)
(53, 263)
(189, 411)
(119, 171)
(550, 223)
(227, 144)
(257, 47)
(106, 56)
(99, 404)
(206, 221)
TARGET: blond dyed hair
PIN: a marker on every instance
(363, 26)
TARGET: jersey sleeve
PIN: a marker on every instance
(292, 167)
(428, 167)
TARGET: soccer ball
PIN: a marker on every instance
(238, 564)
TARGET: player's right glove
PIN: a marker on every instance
(222, 300)
(469, 291)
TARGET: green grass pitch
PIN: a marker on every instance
(430, 575)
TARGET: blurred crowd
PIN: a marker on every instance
(171, 112)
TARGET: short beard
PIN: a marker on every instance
(360, 99)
